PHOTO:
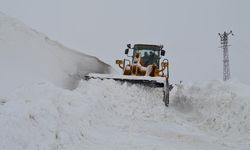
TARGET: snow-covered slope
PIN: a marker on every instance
(110, 115)
(26, 56)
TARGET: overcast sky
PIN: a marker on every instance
(188, 29)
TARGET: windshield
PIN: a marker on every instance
(148, 56)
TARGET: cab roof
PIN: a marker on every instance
(147, 46)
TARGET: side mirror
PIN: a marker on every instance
(126, 51)
(119, 62)
(129, 46)
(163, 52)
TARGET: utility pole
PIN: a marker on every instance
(224, 46)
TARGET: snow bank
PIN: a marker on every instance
(28, 56)
(110, 115)
(219, 107)
(97, 115)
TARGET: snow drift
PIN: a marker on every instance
(219, 107)
(110, 115)
(27, 56)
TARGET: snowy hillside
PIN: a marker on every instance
(26, 56)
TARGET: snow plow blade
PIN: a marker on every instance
(155, 82)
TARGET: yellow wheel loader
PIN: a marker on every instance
(144, 65)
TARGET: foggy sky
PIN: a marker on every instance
(188, 29)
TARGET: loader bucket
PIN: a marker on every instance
(155, 82)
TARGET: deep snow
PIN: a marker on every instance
(111, 115)
(27, 55)
(39, 109)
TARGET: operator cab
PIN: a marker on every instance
(150, 54)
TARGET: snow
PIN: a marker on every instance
(217, 107)
(110, 115)
(27, 55)
(44, 104)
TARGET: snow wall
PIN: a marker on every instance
(110, 115)
(27, 55)
(216, 106)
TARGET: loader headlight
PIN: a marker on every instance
(119, 62)
(164, 64)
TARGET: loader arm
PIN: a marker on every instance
(164, 65)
